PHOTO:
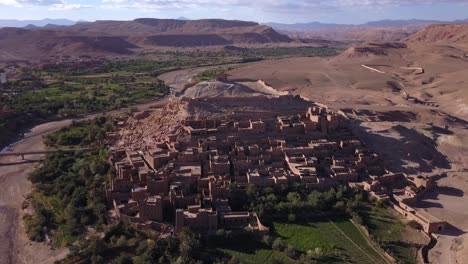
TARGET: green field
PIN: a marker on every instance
(247, 249)
(394, 236)
(340, 240)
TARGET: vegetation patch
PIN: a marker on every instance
(336, 241)
(211, 74)
(68, 193)
(397, 238)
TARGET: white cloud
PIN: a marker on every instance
(9, 2)
(269, 5)
(39, 2)
(53, 5)
(66, 6)
(266, 5)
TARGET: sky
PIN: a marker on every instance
(283, 11)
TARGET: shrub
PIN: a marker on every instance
(268, 240)
(221, 233)
(414, 224)
(356, 218)
(132, 109)
(276, 261)
(292, 218)
(123, 260)
(132, 242)
(121, 242)
(279, 244)
(233, 260)
(307, 259)
(381, 203)
(340, 206)
(142, 247)
(292, 252)
(33, 228)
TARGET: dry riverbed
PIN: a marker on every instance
(15, 247)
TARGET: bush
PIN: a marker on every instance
(279, 244)
(340, 206)
(142, 247)
(123, 260)
(233, 260)
(292, 218)
(414, 225)
(33, 228)
(121, 242)
(307, 259)
(132, 109)
(276, 261)
(221, 233)
(356, 218)
(292, 252)
(97, 259)
(268, 240)
(381, 203)
(132, 242)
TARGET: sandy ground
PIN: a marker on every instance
(178, 79)
(15, 247)
(417, 122)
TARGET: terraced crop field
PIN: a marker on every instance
(246, 250)
(396, 237)
(340, 240)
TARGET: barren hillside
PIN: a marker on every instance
(117, 38)
(442, 34)
(409, 103)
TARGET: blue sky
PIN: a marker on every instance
(286, 11)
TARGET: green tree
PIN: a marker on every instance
(189, 243)
(294, 198)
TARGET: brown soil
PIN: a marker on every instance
(443, 34)
(407, 104)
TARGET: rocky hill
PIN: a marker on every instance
(442, 34)
(383, 30)
(29, 45)
(385, 34)
(105, 38)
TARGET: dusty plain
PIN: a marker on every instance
(408, 102)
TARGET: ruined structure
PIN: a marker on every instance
(402, 192)
(186, 178)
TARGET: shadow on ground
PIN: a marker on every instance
(405, 150)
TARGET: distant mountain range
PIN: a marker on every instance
(382, 30)
(31, 24)
(379, 23)
(123, 38)
(36, 23)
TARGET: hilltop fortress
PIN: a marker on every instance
(185, 178)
